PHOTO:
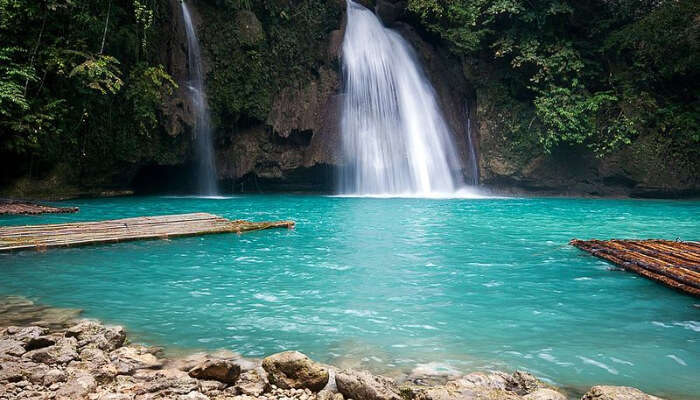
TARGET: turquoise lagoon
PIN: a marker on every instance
(391, 285)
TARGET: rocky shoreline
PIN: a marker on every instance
(85, 359)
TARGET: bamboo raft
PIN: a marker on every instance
(121, 230)
(15, 207)
(674, 264)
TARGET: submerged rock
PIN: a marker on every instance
(617, 393)
(294, 370)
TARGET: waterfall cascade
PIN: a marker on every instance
(395, 139)
(473, 162)
(204, 148)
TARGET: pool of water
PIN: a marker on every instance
(391, 284)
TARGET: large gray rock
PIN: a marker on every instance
(361, 385)
(218, 370)
(91, 333)
(617, 393)
(294, 370)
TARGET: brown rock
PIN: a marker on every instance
(252, 383)
(218, 370)
(617, 393)
(481, 380)
(524, 383)
(294, 370)
(10, 372)
(77, 387)
(128, 359)
(361, 385)
(25, 334)
(54, 376)
(11, 347)
(91, 333)
(62, 352)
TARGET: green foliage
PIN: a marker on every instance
(98, 72)
(148, 87)
(244, 76)
(596, 73)
(64, 66)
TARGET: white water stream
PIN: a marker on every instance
(204, 148)
(395, 139)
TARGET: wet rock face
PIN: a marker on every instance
(294, 370)
(389, 11)
(250, 30)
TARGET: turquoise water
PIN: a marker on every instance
(391, 284)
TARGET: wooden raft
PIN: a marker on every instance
(674, 264)
(120, 230)
(15, 207)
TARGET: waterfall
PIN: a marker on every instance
(473, 163)
(204, 148)
(395, 139)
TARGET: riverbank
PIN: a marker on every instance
(85, 359)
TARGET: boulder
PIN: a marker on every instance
(219, 370)
(252, 383)
(524, 383)
(361, 385)
(128, 359)
(544, 394)
(481, 380)
(94, 334)
(40, 342)
(54, 375)
(63, 352)
(77, 387)
(11, 372)
(617, 393)
(11, 347)
(294, 370)
(25, 334)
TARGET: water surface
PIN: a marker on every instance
(391, 284)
